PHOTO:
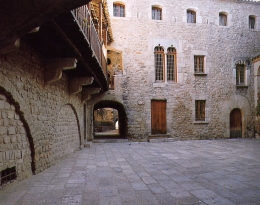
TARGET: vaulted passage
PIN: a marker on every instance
(117, 113)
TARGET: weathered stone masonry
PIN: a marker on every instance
(222, 46)
(39, 124)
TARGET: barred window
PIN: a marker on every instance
(159, 63)
(191, 16)
(199, 64)
(200, 110)
(252, 21)
(240, 74)
(119, 10)
(222, 19)
(171, 62)
(156, 13)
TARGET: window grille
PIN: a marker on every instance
(191, 16)
(222, 19)
(7, 176)
(156, 13)
(159, 63)
(171, 64)
(119, 10)
(199, 64)
(200, 110)
(251, 22)
(240, 74)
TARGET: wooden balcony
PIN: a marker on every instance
(73, 35)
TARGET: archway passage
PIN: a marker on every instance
(122, 118)
(235, 123)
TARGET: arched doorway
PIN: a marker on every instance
(235, 123)
(121, 118)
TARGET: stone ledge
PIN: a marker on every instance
(161, 140)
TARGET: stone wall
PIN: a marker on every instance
(222, 47)
(52, 119)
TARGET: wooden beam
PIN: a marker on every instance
(53, 68)
(87, 92)
(75, 84)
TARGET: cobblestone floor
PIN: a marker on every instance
(220, 172)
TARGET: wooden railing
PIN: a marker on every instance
(84, 20)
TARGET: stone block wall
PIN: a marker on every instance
(51, 120)
(222, 47)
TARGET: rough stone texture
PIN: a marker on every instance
(222, 47)
(46, 115)
(14, 146)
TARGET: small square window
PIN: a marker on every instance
(199, 64)
(200, 110)
(156, 13)
(252, 22)
(222, 19)
(191, 16)
(119, 10)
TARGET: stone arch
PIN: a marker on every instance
(123, 130)
(22, 140)
(67, 136)
(239, 102)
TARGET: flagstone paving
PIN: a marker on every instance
(220, 172)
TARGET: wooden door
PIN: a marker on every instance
(235, 123)
(158, 116)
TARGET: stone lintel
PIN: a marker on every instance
(54, 67)
(75, 84)
(87, 92)
(11, 47)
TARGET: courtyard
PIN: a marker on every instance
(218, 172)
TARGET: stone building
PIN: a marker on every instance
(183, 69)
(50, 65)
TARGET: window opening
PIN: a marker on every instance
(159, 63)
(119, 10)
(200, 110)
(7, 176)
(199, 64)
(171, 55)
(191, 16)
(240, 74)
(222, 19)
(156, 13)
(251, 22)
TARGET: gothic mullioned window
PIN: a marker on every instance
(159, 63)
(191, 16)
(171, 64)
(156, 13)
(118, 10)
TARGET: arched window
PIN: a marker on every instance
(118, 10)
(240, 74)
(222, 19)
(156, 13)
(252, 22)
(159, 63)
(191, 16)
(171, 64)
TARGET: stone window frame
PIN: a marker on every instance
(119, 4)
(191, 12)
(228, 15)
(206, 66)
(171, 70)
(255, 22)
(159, 63)
(200, 110)
(199, 64)
(223, 18)
(246, 72)
(156, 8)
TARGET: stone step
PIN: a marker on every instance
(161, 140)
(110, 140)
(157, 136)
(87, 144)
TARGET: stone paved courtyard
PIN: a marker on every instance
(218, 172)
